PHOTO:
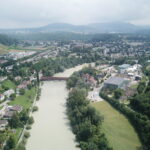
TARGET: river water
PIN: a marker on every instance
(51, 130)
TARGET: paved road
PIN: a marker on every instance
(94, 95)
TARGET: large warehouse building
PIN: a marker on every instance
(116, 82)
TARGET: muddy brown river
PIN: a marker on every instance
(51, 130)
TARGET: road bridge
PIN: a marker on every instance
(50, 78)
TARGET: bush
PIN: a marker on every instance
(35, 108)
(118, 93)
(21, 146)
(24, 141)
(22, 91)
(26, 135)
(28, 127)
(30, 121)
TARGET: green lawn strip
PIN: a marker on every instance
(134, 86)
(1, 107)
(23, 48)
(118, 130)
(25, 100)
(9, 84)
(17, 133)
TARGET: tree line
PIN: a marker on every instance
(84, 119)
(141, 101)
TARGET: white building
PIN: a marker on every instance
(2, 97)
(9, 92)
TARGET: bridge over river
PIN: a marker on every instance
(50, 78)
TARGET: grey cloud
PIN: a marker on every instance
(27, 13)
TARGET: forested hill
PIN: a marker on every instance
(6, 40)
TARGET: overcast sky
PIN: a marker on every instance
(33, 13)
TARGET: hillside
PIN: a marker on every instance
(6, 40)
(109, 27)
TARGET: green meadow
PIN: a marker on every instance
(118, 130)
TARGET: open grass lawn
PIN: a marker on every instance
(25, 100)
(9, 84)
(1, 107)
(118, 130)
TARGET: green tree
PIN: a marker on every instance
(13, 96)
(22, 91)
(118, 93)
(31, 120)
(11, 143)
(15, 122)
(2, 139)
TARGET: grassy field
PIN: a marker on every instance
(118, 130)
(1, 107)
(6, 49)
(9, 84)
(32, 48)
(25, 100)
(3, 49)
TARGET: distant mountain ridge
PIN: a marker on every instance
(111, 27)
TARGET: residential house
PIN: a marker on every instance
(18, 78)
(23, 85)
(89, 80)
(8, 114)
(9, 92)
(16, 108)
(2, 78)
(3, 124)
(10, 110)
(2, 97)
(8, 68)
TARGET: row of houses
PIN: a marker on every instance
(22, 85)
(89, 80)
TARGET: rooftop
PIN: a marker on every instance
(115, 80)
(15, 108)
(124, 66)
(3, 122)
